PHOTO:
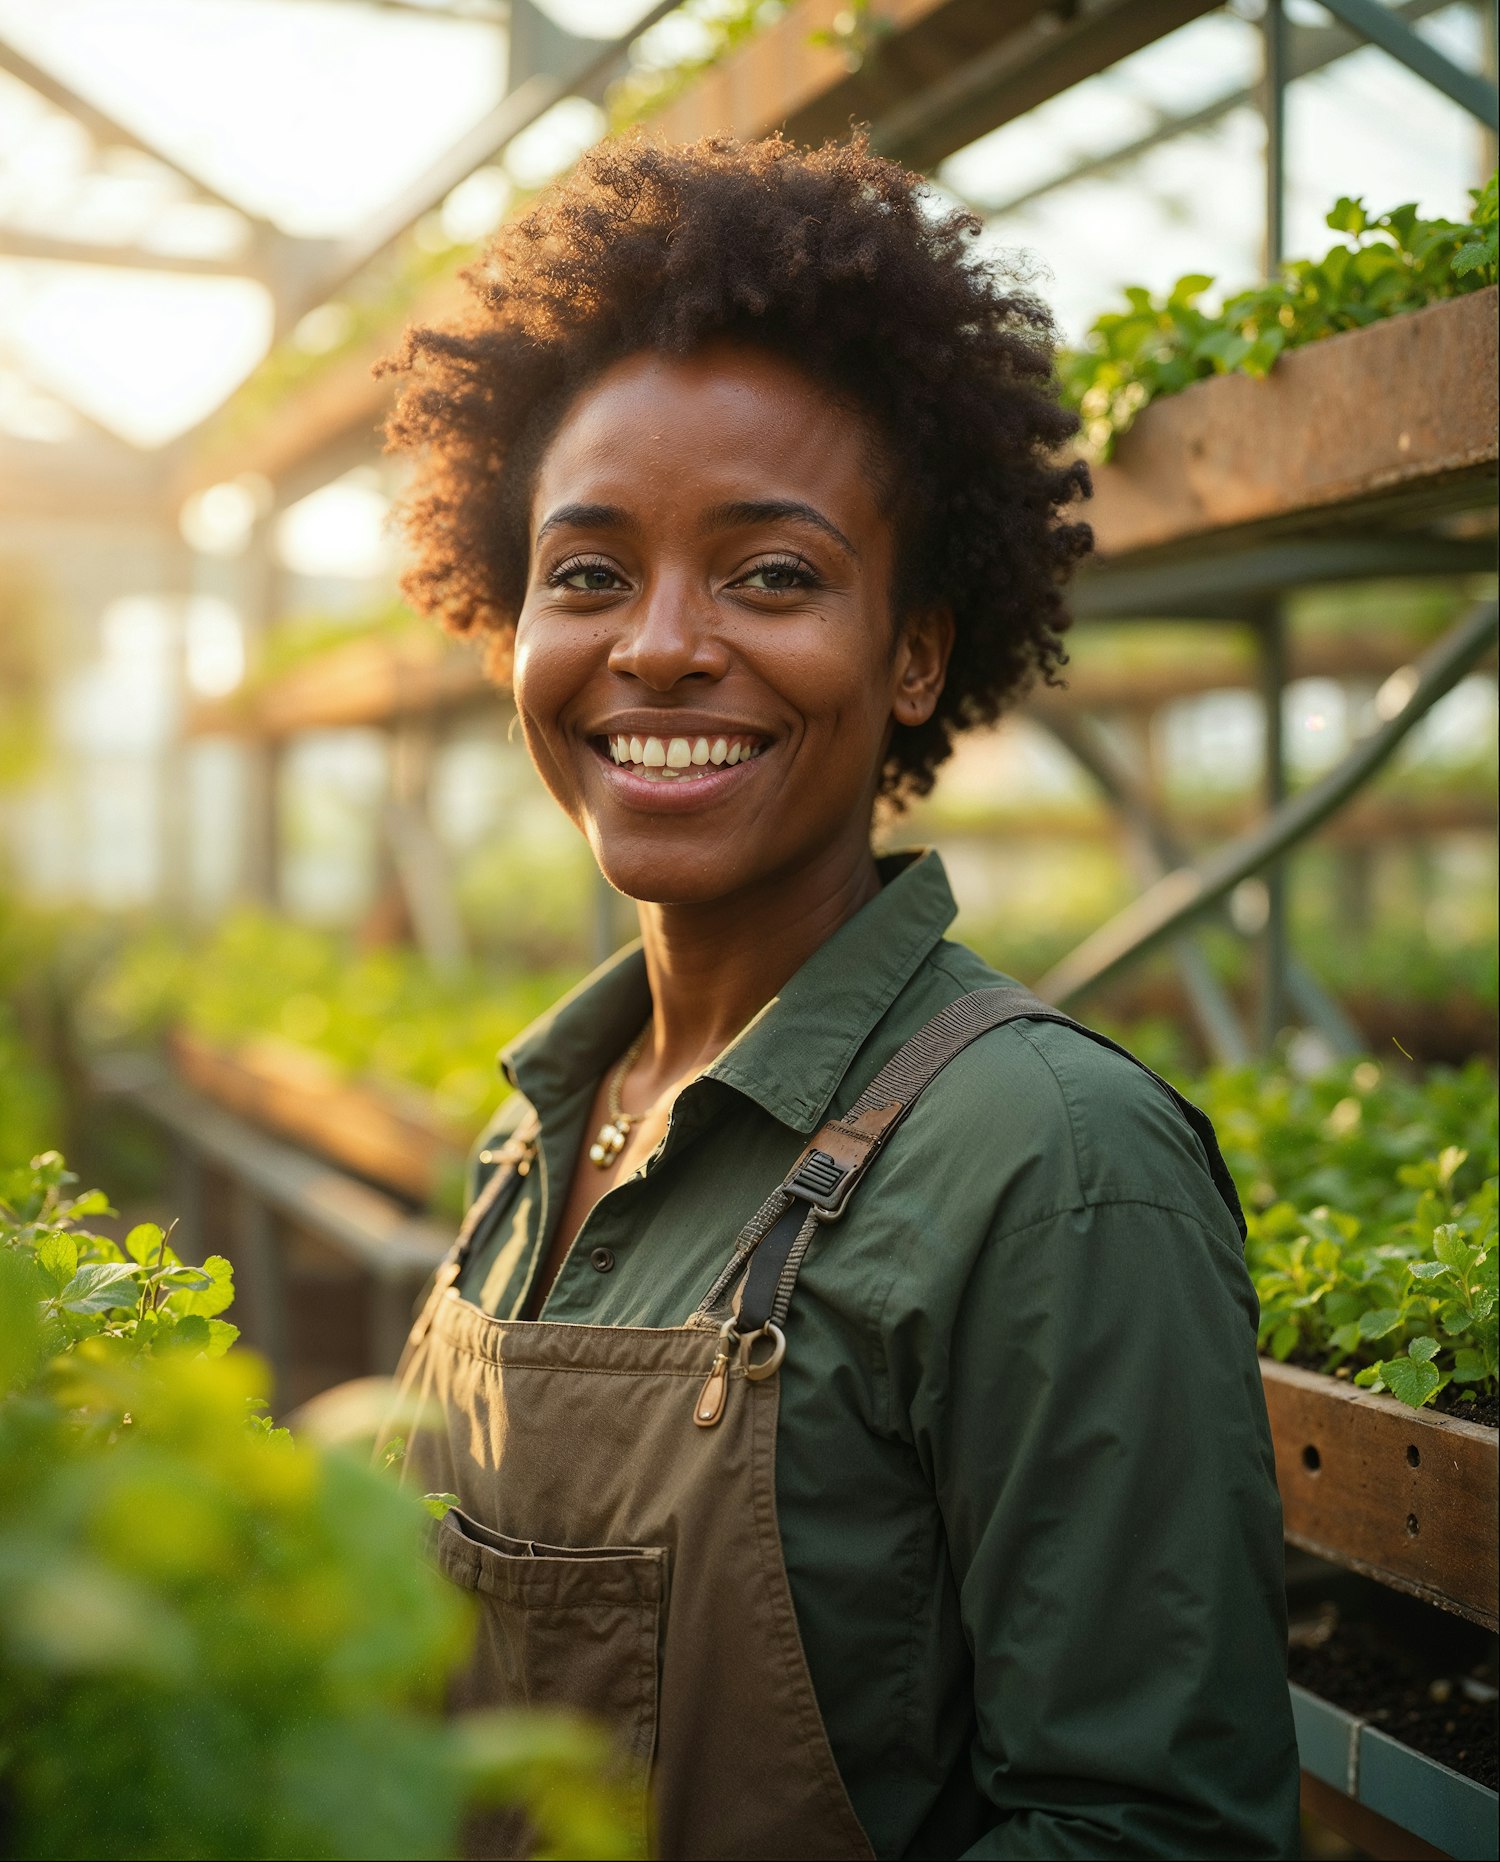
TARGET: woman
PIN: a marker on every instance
(871, 1433)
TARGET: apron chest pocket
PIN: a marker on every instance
(560, 1626)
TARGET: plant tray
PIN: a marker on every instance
(1396, 417)
(1404, 1496)
(1393, 1782)
(388, 1137)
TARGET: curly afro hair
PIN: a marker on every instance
(837, 260)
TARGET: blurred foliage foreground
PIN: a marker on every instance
(216, 1641)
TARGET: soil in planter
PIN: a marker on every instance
(1483, 1409)
(1426, 1679)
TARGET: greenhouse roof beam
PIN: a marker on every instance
(19, 244)
(1025, 68)
(105, 129)
(1379, 25)
(1313, 49)
(483, 143)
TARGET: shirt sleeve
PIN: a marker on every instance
(1095, 1431)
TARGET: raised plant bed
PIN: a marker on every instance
(1380, 1793)
(1398, 417)
(1405, 1496)
(392, 1138)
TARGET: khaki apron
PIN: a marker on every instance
(616, 1517)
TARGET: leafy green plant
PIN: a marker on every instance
(216, 1642)
(89, 1286)
(1371, 1206)
(1387, 264)
(383, 1015)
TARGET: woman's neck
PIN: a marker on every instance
(713, 967)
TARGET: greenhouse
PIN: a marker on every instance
(320, 791)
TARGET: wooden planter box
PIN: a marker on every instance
(1398, 417)
(392, 1138)
(1401, 1495)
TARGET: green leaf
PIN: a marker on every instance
(221, 1335)
(1378, 1323)
(99, 1287)
(1469, 1366)
(213, 1296)
(439, 1505)
(1412, 1381)
(57, 1256)
(1422, 1349)
(1476, 255)
(1429, 1270)
(1450, 1247)
(144, 1244)
(1348, 215)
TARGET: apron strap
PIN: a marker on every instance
(820, 1183)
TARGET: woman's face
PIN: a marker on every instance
(704, 664)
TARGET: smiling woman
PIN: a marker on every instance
(950, 1529)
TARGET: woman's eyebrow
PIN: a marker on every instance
(584, 517)
(767, 510)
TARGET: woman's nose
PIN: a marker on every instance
(670, 635)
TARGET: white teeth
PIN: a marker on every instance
(679, 758)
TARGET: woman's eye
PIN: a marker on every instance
(588, 578)
(777, 578)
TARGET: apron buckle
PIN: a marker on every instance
(709, 1408)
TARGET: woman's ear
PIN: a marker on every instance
(922, 664)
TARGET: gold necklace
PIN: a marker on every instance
(610, 1141)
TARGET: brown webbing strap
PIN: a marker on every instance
(818, 1186)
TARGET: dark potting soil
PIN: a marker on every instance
(1442, 1709)
(1483, 1409)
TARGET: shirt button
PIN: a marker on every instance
(603, 1259)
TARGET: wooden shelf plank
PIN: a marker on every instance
(1405, 1496)
(392, 1139)
(367, 681)
(1394, 419)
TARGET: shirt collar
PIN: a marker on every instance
(794, 1054)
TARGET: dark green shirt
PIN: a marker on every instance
(1024, 1474)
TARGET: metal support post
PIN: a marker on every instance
(1273, 111)
(259, 878)
(1275, 939)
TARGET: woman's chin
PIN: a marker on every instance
(695, 872)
